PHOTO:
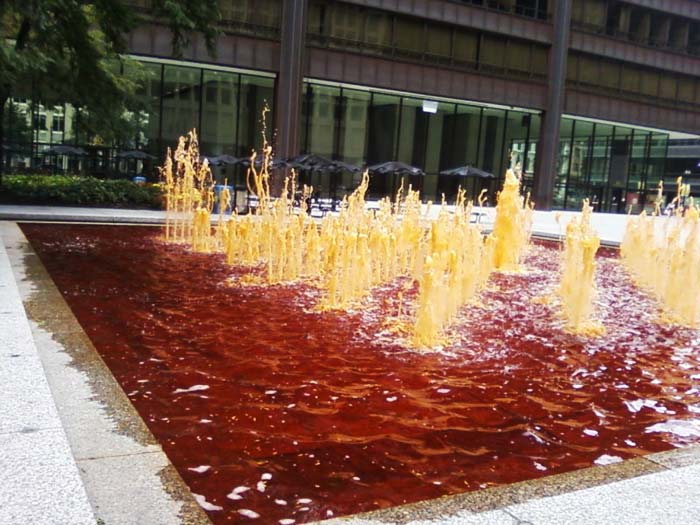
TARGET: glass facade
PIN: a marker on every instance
(224, 105)
(617, 167)
(363, 126)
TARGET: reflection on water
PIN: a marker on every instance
(272, 410)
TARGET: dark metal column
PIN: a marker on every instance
(290, 80)
(547, 146)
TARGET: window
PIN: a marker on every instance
(256, 93)
(381, 142)
(660, 31)
(180, 101)
(518, 56)
(57, 123)
(465, 45)
(378, 29)
(694, 38)
(678, 34)
(314, 23)
(572, 68)
(40, 122)
(539, 60)
(322, 123)
(346, 23)
(353, 126)
(410, 36)
(593, 13)
(589, 70)
(640, 25)
(649, 83)
(667, 86)
(631, 79)
(686, 89)
(493, 51)
(610, 74)
(218, 133)
(439, 40)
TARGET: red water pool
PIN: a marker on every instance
(273, 411)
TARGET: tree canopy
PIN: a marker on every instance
(71, 51)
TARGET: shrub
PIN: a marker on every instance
(75, 190)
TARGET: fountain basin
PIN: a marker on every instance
(269, 394)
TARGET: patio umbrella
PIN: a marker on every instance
(311, 162)
(397, 169)
(221, 160)
(338, 166)
(65, 150)
(135, 154)
(317, 163)
(467, 171)
(275, 164)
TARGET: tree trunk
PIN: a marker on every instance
(3, 101)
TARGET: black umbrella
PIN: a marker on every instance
(398, 168)
(65, 150)
(135, 154)
(338, 166)
(274, 164)
(312, 162)
(220, 160)
(467, 171)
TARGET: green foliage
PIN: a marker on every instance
(71, 51)
(76, 190)
(16, 125)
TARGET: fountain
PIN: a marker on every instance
(663, 254)
(577, 287)
(511, 230)
(303, 347)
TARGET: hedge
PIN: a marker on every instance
(78, 190)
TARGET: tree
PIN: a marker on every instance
(64, 51)
(16, 124)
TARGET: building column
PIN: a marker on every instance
(290, 79)
(548, 143)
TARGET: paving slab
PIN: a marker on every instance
(39, 481)
(87, 402)
(72, 214)
(127, 476)
(493, 517)
(15, 332)
(668, 497)
(26, 403)
(678, 457)
(134, 484)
